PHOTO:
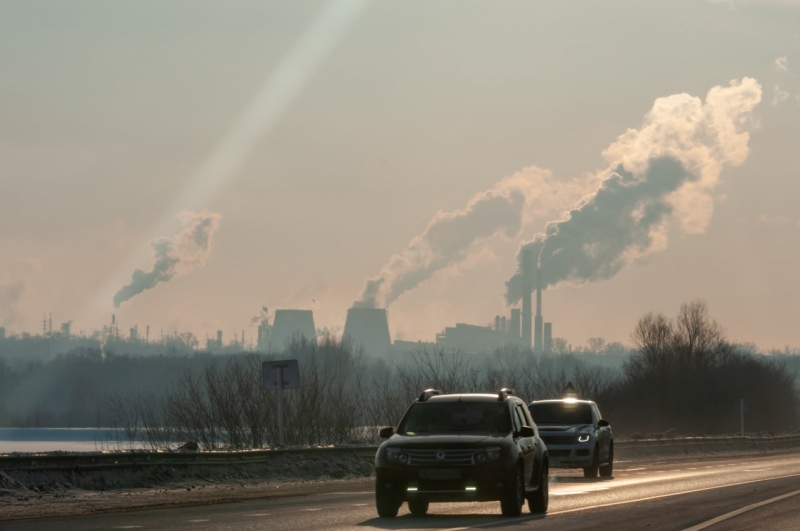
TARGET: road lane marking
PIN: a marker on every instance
(258, 514)
(570, 493)
(612, 504)
(359, 505)
(313, 509)
(737, 512)
(632, 469)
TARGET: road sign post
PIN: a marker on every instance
(277, 376)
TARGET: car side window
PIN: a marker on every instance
(597, 409)
(517, 420)
(595, 414)
(526, 415)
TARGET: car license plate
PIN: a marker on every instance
(445, 473)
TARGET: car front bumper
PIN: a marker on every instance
(476, 483)
(580, 455)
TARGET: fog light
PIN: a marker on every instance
(411, 489)
(471, 488)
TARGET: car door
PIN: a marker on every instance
(526, 444)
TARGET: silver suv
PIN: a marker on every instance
(575, 434)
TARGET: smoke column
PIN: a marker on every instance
(175, 256)
(450, 237)
(665, 170)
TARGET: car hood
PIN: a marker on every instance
(563, 429)
(430, 441)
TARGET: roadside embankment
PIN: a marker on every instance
(68, 484)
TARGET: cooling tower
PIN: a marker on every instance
(368, 328)
(290, 323)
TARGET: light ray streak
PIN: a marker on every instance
(264, 111)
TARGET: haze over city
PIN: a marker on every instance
(185, 165)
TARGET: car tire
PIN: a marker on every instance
(537, 504)
(514, 497)
(608, 469)
(418, 507)
(591, 471)
(385, 502)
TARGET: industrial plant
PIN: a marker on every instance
(366, 329)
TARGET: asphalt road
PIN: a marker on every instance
(657, 497)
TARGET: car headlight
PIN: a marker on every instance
(584, 438)
(397, 456)
(487, 455)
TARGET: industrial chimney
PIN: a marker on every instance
(548, 337)
(527, 280)
(513, 327)
(368, 328)
(537, 336)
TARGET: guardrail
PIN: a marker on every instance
(91, 461)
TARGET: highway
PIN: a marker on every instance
(667, 496)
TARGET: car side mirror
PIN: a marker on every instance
(603, 424)
(526, 431)
(385, 433)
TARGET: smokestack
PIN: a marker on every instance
(537, 336)
(368, 328)
(219, 338)
(513, 328)
(113, 319)
(548, 337)
(527, 278)
(497, 323)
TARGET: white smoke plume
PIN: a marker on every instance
(450, 237)
(666, 169)
(176, 256)
(263, 314)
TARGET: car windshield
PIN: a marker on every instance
(561, 413)
(456, 417)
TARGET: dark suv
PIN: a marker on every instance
(465, 447)
(576, 435)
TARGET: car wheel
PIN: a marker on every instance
(514, 498)
(385, 502)
(591, 471)
(608, 469)
(537, 504)
(418, 507)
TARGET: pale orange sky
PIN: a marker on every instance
(108, 110)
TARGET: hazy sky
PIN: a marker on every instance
(397, 111)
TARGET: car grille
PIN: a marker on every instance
(559, 439)
(450, 456)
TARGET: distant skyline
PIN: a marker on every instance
(385, 118)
